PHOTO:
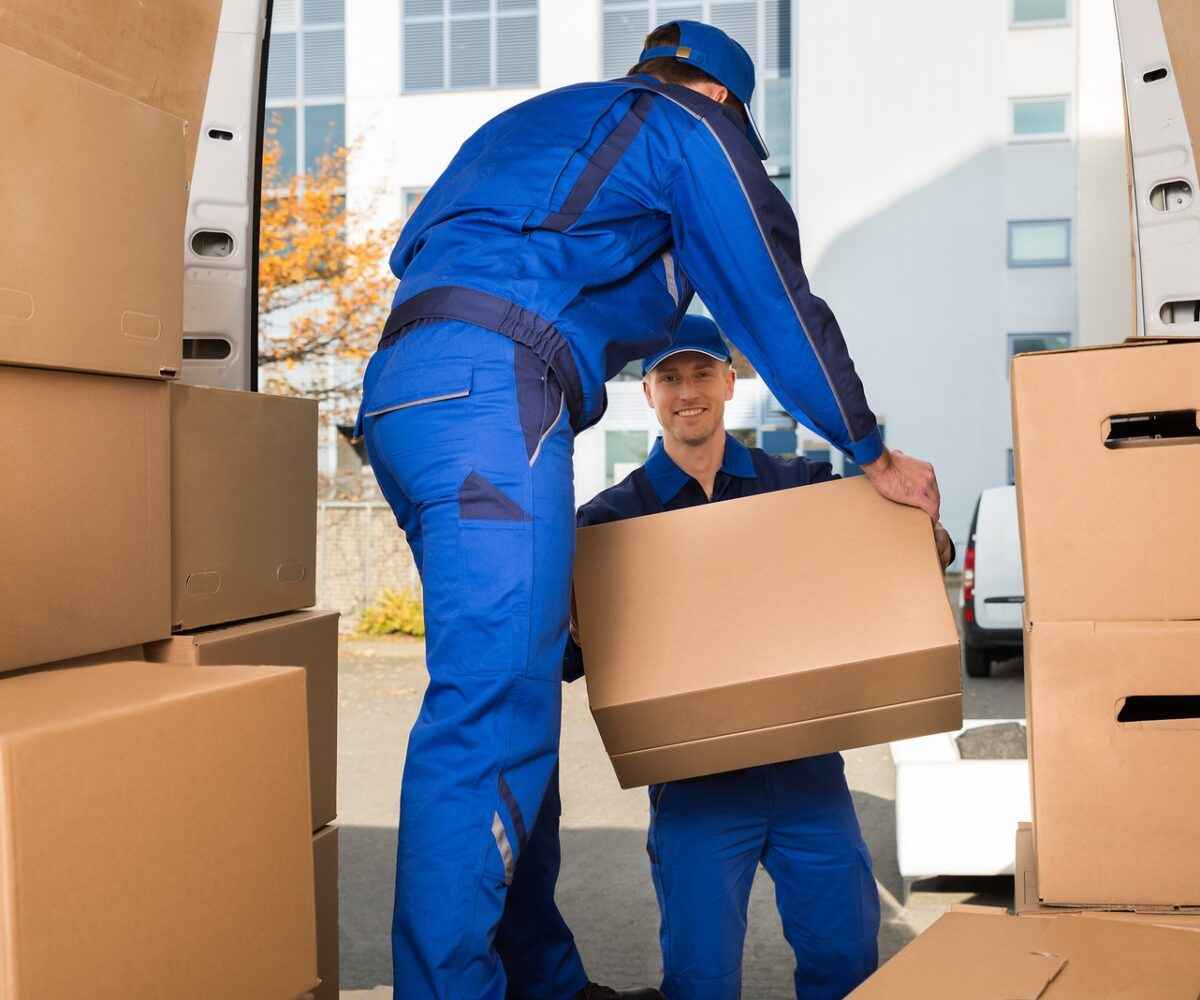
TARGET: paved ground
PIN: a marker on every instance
(605, 889)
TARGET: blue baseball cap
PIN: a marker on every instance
(713, 51)
(695, 333)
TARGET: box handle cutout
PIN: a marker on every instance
(1161, 711)
(206, 348)
(1141, 430)
(1154, 75)
(290, 572)
(1183, 311)
(1171, 196)
(203, 584)
(211, 243)
(220, 133)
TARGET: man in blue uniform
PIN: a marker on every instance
(566, 238)
(708, 835)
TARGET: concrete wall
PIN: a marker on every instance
(360, 551)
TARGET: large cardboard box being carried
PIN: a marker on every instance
(98, 98)
(243, 505)
(84, 503)
(764, 629)
(1114, 728)
(154, 835)
(325, 864)
(1160, 61)
(982, 956)
(1107, 449)
(307, 639)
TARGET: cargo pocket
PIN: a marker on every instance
(495, 543)
(401, 387)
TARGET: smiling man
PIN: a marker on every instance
(708, 835)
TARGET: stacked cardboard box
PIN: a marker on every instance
(161, 820)
(1108, 461)
(778, 670)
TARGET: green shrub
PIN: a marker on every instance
(395, 612)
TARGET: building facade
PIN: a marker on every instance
(957, 171)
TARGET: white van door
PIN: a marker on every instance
(999, 587)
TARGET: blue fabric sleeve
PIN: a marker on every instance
(737, 240)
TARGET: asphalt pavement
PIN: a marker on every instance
(604, 891)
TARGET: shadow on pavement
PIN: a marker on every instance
(605, 894)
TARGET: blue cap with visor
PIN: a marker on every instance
(695, 333)
(710, 49)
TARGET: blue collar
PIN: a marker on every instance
(668, 479)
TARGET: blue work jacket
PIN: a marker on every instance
(590, 215)
(661, 485)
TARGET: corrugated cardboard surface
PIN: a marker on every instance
(157, 53)
(307, 639)
(93, 194)
(1026, 902)
(780, 743)
(1106, 533)
(325, 864)
(1115, 810)
(984, 957)
(243, 505)
(84, 530)
(761, 612)
(154, 836)
(1181, 24)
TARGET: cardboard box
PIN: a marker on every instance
(1027, 903)
(1160, 53)
(325, 864)
(158, 54)
(243, 505)
(1114, 722)
(84, 503)
(982, 956)
(93, 194)
(751, 648)
(307, 639)
(154, 836)
(1107, 510)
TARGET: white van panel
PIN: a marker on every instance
(999, 587)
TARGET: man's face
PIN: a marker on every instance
(688, 392)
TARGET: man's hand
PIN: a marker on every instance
(945, 547)
(905, 480)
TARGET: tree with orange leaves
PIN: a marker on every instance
(324, 288)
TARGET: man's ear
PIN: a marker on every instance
(729, 385)
(646, 390)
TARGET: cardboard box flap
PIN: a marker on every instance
(1121, 345)
(999, 957)
(157, 53)
(811, 606)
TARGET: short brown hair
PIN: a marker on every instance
(668, 69)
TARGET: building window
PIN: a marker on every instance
(412, 198)
(469, 44)
(1012, 471)
(779, 440)
(624, 451)
(306, 82)
(1041, 13)
(818, 451)
(1039, 243)
(762, 27)
(1028, 343)
(1039, 119)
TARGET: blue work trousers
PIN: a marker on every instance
(472, 446)
(707, 838)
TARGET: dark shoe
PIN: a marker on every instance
(594, 992)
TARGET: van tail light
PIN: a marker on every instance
(968, 582)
